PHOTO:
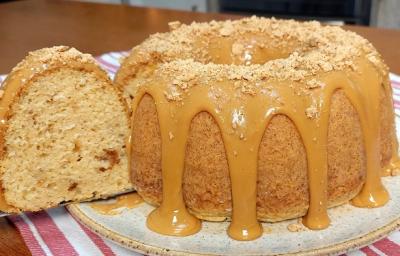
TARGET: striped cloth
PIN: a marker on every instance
(56, 232)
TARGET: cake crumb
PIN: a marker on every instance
(172, 94)
(314, 83)
(237, 48)
(227, 29)
(312, 112)
(267, 230)
(295, 227)
(1, 93)
(174, 25)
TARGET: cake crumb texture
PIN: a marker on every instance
(65, 134)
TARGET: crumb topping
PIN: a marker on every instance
(174, 25)
(183, 53)
(314, 83)
(54, 56)
(312, 112)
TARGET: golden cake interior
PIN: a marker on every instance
(286, 120)
(64, 131)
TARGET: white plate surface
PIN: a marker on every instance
(350, 228)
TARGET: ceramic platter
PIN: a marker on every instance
(350, 228)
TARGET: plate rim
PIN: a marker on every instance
(141, 247)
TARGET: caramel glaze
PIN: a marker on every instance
(127, 201)
(250, 114)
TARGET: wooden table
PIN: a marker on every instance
(97, 28)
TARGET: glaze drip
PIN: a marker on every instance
(242, 119)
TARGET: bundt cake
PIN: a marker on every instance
(257, 120)
(63, 131)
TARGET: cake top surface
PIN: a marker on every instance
(53, 56)
(308, 49)
(41, 61)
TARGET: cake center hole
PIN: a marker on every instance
(246, 50)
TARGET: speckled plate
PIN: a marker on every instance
(351, 228)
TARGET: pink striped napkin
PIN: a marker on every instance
(56, 232)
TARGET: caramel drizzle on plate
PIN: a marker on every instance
(127, 201)
(250, 115)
